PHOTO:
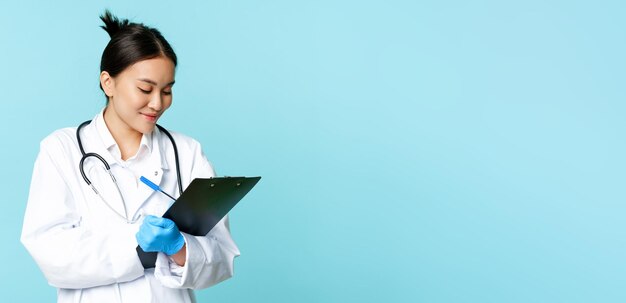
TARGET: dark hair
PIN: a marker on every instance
(131, 43)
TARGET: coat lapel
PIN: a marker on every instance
(154, 172)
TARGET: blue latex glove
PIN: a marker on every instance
(159, 234)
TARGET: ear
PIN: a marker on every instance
(108, 83)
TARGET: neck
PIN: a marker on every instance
(127, 139)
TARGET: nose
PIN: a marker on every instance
(156, 103)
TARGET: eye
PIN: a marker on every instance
(167, 92)
(144, 91)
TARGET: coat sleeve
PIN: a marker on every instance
(210, 258)
(69, 254)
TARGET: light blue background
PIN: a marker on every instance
(411, 151)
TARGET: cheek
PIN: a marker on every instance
(126, 94)
(136, 98)
(167, 101)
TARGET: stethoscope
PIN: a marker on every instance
(108, 169)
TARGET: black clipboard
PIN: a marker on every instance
(201, 206)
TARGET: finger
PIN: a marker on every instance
(150, 219)
(161, 222)
(146, 229)
(141, 240)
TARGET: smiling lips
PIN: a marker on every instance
(150, 117)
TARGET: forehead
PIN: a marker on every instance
(159, 69)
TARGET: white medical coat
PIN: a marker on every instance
(87, 251)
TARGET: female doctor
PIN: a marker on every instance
(84, 239)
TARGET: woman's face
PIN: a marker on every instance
(139, 95)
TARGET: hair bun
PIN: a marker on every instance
(112, 24)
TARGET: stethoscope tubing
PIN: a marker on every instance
(108, 169)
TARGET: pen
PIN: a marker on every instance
(154, 186)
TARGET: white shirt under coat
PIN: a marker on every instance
(86, 250)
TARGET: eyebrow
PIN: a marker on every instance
(154, 83)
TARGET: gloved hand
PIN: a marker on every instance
(159, 234)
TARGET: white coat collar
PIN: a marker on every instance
(107, 137)
(99, 130)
